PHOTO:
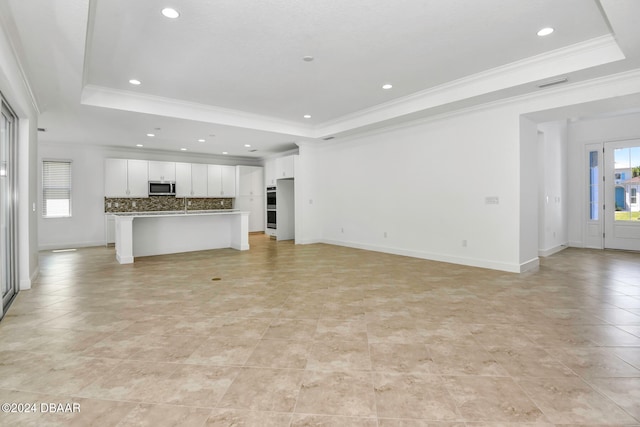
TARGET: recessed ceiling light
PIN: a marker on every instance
(387, 86)
(183, 149)
(170, 13)
(247, 145)
(139, 145)
(201, 140)
(307, 58)
(307, 116)
(151, 134)
(545, 31)
(224, 152)
(135, 82)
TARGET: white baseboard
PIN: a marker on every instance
(471, 262)
(307, 241)
(51, 246)
(25, 284)
(551, 251)
(532, 264)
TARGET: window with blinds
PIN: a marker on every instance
(56, 189)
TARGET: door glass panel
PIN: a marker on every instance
(8, 281)
(593, 185)
(626, 176)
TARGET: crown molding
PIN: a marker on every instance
(590, 53)
(33, 100)
(100, 96)
(615, 85)
(579, 56)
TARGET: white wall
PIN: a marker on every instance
(400, 181)
(553, 176)
(425, 186)
(309, 181)
(581, 133)
(528, 195)
(17, 92)
(86, 225)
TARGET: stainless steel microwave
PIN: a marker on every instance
(157, 188)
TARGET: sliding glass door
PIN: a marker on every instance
(8, 176)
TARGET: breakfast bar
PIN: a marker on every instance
(159, 233)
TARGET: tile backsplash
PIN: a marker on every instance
(164, 203)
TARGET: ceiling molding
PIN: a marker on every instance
(591, 53)
(100, 96)
(12, 40)
(622, 84)
(88, 44)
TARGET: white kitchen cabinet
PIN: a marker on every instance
(279, 168)
(285, 167)
(270, 172)
(162, 171)
(183, 180)
(250, 181)
(221, 181)
(255, 206)
(191, 180)
(126, 178)
(250, 195)
(109, 229)
(199, 177)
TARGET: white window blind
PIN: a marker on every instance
(56, 189)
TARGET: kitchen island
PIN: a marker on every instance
(159, 233)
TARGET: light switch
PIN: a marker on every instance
(491, 200)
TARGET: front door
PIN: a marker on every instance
(622, 201)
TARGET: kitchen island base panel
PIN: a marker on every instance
(140, 235)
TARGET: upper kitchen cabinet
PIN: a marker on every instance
(285, 167)
(162, 171)
(126, 178)
(279, 168)
(270, 172)
(191, 180)
(221, 181)
(250, 181)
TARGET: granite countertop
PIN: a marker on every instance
(176, 213)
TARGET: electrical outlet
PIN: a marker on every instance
(342, 230)
(385, 234)
(464, 243)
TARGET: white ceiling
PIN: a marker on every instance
(234, 69)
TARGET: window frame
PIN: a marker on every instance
(70, 188)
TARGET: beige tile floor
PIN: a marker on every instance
(319, 335)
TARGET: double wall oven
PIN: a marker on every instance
(271, 207)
